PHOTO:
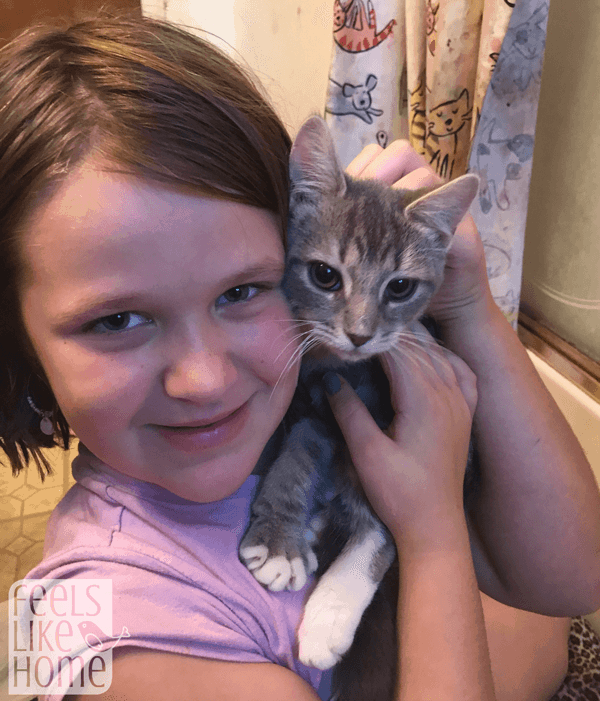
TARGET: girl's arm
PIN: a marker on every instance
(442, 644)
(413, 477)
(536, 523)
(140, 674)
(535, 529)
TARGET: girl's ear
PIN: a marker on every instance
(314, 166)
(442, 209)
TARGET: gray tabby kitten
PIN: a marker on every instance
(363, 261)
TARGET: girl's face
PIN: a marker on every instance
(151, 309)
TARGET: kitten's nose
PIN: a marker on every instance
(358, 340)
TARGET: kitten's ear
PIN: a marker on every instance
(314, 166)
(443, 208)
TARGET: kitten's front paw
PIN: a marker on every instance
(277, 572)
(331, 617)
(279, 562)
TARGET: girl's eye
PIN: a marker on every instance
(401, 289)
(114, 323)
(241, 293)
(324, 276)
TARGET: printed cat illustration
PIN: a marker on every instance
(446, 124)
(418, 119)
(362, 263)
(355, 29)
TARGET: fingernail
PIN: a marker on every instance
(332, 382)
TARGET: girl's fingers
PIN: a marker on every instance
(432, 366)
(412, 373)
(416, 179)
(353, 417)
(424, 352)
(364, 158)
(387, 165)
(465, 377)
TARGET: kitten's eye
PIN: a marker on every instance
(400, 290)
(324, 276)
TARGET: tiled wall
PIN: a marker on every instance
(25, 505)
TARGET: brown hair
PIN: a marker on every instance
(151, 100)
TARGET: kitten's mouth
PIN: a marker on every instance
(319, 352)
(323, 352)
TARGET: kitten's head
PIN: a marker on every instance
(363, 260)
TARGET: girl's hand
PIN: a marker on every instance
(465, 291)
(413, 473)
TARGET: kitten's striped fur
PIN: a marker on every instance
(362, 264)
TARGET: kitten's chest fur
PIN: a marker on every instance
(367, 378)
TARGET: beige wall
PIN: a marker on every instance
(561, 278)
(288, 44)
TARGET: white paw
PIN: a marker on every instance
(334, 609)
(277, 572)
(330, 620)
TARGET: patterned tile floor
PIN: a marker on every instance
(25, 505)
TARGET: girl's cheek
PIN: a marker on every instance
(281, 335)
(271, 342)
(94, 380)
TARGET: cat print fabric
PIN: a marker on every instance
(445, 75)
(502, 151)
(447, 135)
(419, 55)
(355, 26)
(362, 262)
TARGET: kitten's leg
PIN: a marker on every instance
(333, 611)
(276, 548)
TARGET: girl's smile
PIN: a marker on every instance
(206, 435)
(157, 316)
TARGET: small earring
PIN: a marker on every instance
(45, 423)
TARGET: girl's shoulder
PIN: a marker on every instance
(178, 586)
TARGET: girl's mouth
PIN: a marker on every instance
(213, 435)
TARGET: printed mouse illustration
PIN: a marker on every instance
(353, 99)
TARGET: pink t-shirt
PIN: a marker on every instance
(178, 584)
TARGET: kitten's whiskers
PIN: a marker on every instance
(412, 347)
(307, 343)
(294, 339)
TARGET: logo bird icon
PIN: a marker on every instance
(93, 636)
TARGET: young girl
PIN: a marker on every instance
(143, 205)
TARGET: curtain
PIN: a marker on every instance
(460, 79)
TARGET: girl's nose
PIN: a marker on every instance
(199, 371)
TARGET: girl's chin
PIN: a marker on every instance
(199, 488)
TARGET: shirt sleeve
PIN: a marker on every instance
(147, 608)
